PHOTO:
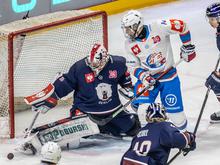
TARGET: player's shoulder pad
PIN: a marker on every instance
(168, 124)
(79, 65)
(118, 59)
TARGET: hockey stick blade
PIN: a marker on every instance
(104, 121)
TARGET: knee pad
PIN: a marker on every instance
(136, 126)
(179, 120)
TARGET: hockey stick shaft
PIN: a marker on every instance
(204, 102)
(198, 120)
(109, 118)
(28, 131)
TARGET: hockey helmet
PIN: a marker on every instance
(213, 14)
(132, 24)
(50, 152)
(155, 113)
(213, 10)
(98, 57)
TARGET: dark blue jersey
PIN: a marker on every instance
(97, 95)
(153, 143)
(218, 38)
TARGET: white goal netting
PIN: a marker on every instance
(32, 51)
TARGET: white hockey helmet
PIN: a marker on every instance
(98, 57)
(51, 152)
(156, 113)
(132, 24)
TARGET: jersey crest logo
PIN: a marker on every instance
(155, 60)
(112, 74)
(136, 50)
(104, 92)
(89, 77)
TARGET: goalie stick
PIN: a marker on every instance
(104, 121)
(25, 145)
(58, 122)
(198, 120)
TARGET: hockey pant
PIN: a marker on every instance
(124, 123)
(170, 96)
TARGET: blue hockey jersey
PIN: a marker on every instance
(151, 146)
(95, 95)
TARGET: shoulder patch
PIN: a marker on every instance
(135, 49)
(177, 25)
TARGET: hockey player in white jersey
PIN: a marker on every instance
(50, 154)
(213, 81)
(150, 47)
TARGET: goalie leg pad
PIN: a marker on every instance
(70, 131)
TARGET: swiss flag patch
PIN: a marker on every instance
(113, 74)
(136, 50)
(89, 77)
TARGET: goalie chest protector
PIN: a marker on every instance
(94, 94)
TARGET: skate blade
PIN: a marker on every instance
(214, 122)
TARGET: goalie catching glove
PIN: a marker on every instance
(43, 100)
(187, 52)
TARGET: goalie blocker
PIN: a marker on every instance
(43, 100)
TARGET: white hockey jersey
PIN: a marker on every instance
(154, 52)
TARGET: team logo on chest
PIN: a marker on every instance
(112, 74)
(104, 92)
(89, 77)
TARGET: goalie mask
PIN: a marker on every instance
(132, 24)
(98, 58)
(155, 113)
(51, 152)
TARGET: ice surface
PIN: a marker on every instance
(192, 75)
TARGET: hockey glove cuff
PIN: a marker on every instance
(43, 100)
(127, 93)
(213, 82)
(191, 144)
(187, 52)
(147, 80)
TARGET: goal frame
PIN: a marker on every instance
(36, 28)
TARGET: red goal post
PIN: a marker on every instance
(33, 50)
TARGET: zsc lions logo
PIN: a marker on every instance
(104, 91)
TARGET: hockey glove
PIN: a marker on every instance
(187, 52)
(127, 93)
(43, 100)
(213, 82)
(147, 80)
(191, 144)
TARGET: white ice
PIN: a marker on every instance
(192, 75)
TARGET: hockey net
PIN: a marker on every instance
(33, 50)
